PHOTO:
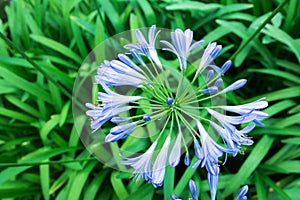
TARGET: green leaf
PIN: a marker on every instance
(97, 182)
(283, 37)
(278, 107)
(240, 30)
(282, 154)
(148, 11)
(78, 181)
(144, 192)
(37, 156)
(56, 46)
(45, 180)
(185, 178)
(118, 186)
(112, 15)
(278, 73)
(286, 131)
(22, 105)
(288, 121)
(59, 182)
(294, 140)
(79, 40)
(252, 162)
(16, 115)
(48, 127)
(64, 113)
(17, 189)
(276, 188)
(169, 182)
(24, 85)
(231, 8)
(259, 186)
(286, 93)
(192, 5)
(84, 24)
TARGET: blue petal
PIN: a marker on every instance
(210, 90)
(187, 160)
(236, 85)
(196, 164)
(218, 82)
(198, 150)
(114, 138)
(193, 189)
(225, 67)
(241, 195)
(213, 184)
(174, 197)
(175, 154)
(140, 37)
(137, 57)
(118, 120)
(210, 74)
(126, 60)
(123, 129)
(159, 167)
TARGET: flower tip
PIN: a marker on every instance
(146, 118)
(174, 197)
(225, 67)
(241, 195)
(258, 123)
(211, 90)
(174, 164)
(187, 160)
(193, 189)
(169, 101)
(236, 85)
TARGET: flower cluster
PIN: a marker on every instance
(186, 108)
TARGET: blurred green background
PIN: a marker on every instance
(42, 45)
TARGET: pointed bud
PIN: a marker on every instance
(225, 67)
(193, 189)
(187, 160)
(218, 82)
(210, 74)
(234, 86)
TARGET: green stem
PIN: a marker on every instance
(189, 96)
(158, 75)
(153, 118)
(188, 126)
(209, 97)
(154, 93)
(180, 132)
(180, 83)
(195, 117)
(163, 129)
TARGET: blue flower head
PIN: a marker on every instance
(179, 97)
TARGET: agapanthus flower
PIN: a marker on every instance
(183, 99)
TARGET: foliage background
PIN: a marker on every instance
(39, 145)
